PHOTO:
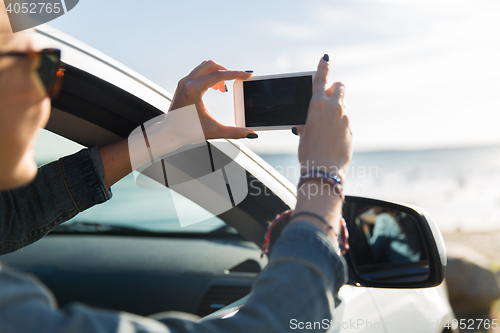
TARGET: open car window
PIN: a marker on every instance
(134, 207)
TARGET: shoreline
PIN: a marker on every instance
(486, 243)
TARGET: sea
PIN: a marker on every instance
(458, 187)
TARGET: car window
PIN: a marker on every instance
(131, 205)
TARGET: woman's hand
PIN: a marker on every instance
(326, 138)
(191, 89)
(325, 142)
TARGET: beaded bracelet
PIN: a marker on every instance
(343, 237)
(267, 236)
(330, 178)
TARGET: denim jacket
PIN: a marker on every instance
(60, 190)
(304, 273)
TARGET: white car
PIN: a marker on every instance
(134, 243)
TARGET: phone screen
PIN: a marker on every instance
(276, 102)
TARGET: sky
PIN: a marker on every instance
(421, 74)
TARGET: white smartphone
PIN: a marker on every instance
(273, 101)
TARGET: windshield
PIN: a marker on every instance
(131, 206)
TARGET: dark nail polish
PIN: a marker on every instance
(226, 88)
(326, 57)
(294, 130)
(252, 136)
(248, 71)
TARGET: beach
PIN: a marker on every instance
(484, 243)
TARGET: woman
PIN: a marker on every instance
(305, 269)
(390, 241)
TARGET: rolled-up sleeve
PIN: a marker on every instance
(299, 284)
(60, 190)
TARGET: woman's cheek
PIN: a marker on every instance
(36, 110)
(45, 113)
(20, 123)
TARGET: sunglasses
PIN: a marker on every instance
(49, 69)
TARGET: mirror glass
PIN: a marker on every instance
(387, 245)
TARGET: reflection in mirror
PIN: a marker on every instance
(387, 245)
(392, 239)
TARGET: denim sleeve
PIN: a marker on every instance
(299, 284)
(60, 190)
(303, 275)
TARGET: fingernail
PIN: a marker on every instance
(252, 136)
(248, 71)
(326, 57)
(226, 88)
(294, 130)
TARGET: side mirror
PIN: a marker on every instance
(392, 245)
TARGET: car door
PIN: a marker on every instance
(413, 310)
(356, 312)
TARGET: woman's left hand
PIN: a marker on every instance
(191, 89)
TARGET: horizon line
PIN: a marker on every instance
(395, 149)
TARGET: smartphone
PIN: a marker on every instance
(270, 102)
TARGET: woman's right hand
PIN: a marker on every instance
(191, 89)
(326, 138)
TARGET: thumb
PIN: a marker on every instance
(230, 132)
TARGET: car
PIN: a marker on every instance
(131, 254)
